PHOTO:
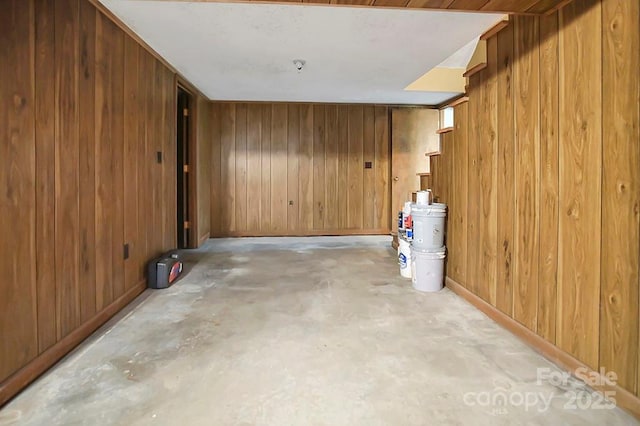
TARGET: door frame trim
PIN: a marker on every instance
(192, 160)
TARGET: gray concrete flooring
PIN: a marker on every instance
(302, 331)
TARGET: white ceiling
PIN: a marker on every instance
(243, 51)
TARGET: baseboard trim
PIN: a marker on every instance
(303, 233)
(27, 374)
(202, 239)
(624, 398)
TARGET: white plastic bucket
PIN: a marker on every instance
(404, 257)
(428, 225)
(423, 198)
(428, 269)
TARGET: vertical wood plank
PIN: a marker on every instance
(117, 147)
(152, 149)
(355, 184)
(170, 144)
(473, 203)
(505, 176)
(548, 269)
(228, 167)
(155, 140)
(131, 163)
(319, 162)
(87, 159)
(241, 167)
(369, 175)
(459, 214)
(488, 175)
(254, 162)
(620, 191)
(343, 166)
(146, 156)
(279, 168)
(45, 175)
(18, 315)
(104, 163)
(442, 161)
(265, 158)
(216, 183)
(66, 157)
(580, 181)
(332, 155)
(204, 159)
(382, 167)
(293, 166)
(306, 168)
(165, 169)
(527, 167)
(447, 141)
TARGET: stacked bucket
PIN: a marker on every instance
(421, 250)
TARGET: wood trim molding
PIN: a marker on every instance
(495, 29)
(192, 176)
(458, 101)
(303, 233)
(444, 130)
(453, 101)
(431, 153)
(203, 238)
(185, 85)
(473, 70)
(27, 374)
(423, 174)
(624, 398)
(557, 7)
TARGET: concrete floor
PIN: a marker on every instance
(301, 331)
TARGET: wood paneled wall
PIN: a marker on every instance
(299, 169)
(542, 178)
(84, 111)
(203, 170)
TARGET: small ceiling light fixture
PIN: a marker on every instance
(299, 63)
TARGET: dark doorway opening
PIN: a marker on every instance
(183, 168)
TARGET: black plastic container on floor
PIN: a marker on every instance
(164, 270)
